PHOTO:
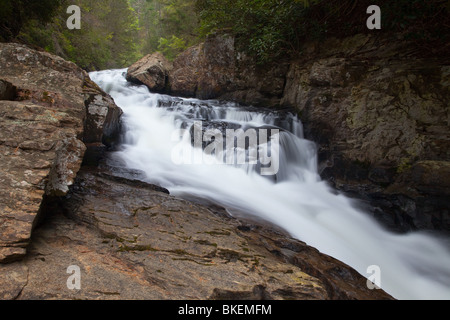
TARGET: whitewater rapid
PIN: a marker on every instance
(412, 266)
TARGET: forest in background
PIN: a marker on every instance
(113, 34)
(116, 33)
(272, 29)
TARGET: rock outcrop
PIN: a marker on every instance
(376, 107)
(380, 115)
(150, 245)
(61, 206)
(214, 69)
(50, 112)
(152, 71)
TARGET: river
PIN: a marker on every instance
(160, 139)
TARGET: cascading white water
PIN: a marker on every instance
(413, 266)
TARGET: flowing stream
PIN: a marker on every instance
(411, 266)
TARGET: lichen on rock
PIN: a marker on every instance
(46, 122)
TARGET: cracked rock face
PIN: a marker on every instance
(377, 112)
(152, 71)
(45, 115)
(150, 245)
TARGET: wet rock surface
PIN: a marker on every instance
(374, 106)
(216, 69)
(49, 112)
(132, 240)
(377, 111)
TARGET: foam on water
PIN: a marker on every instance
(413, 266)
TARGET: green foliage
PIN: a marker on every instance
(264, 28)
(107, 38)
(116, 33)
(15, 13)
(270, 29)
(171, 47)
(166, 21)
(113, 34)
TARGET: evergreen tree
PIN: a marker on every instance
(169, 26)
(108, 38)
(15, 13)
(269, 29)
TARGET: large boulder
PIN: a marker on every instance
(152, 71)
(50, 112)
(214, 69)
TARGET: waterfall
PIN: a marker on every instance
(412, 266)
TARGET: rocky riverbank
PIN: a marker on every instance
(377, 108)
(64, 204)
(50, 114)
(134, 241)
(379, 112)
